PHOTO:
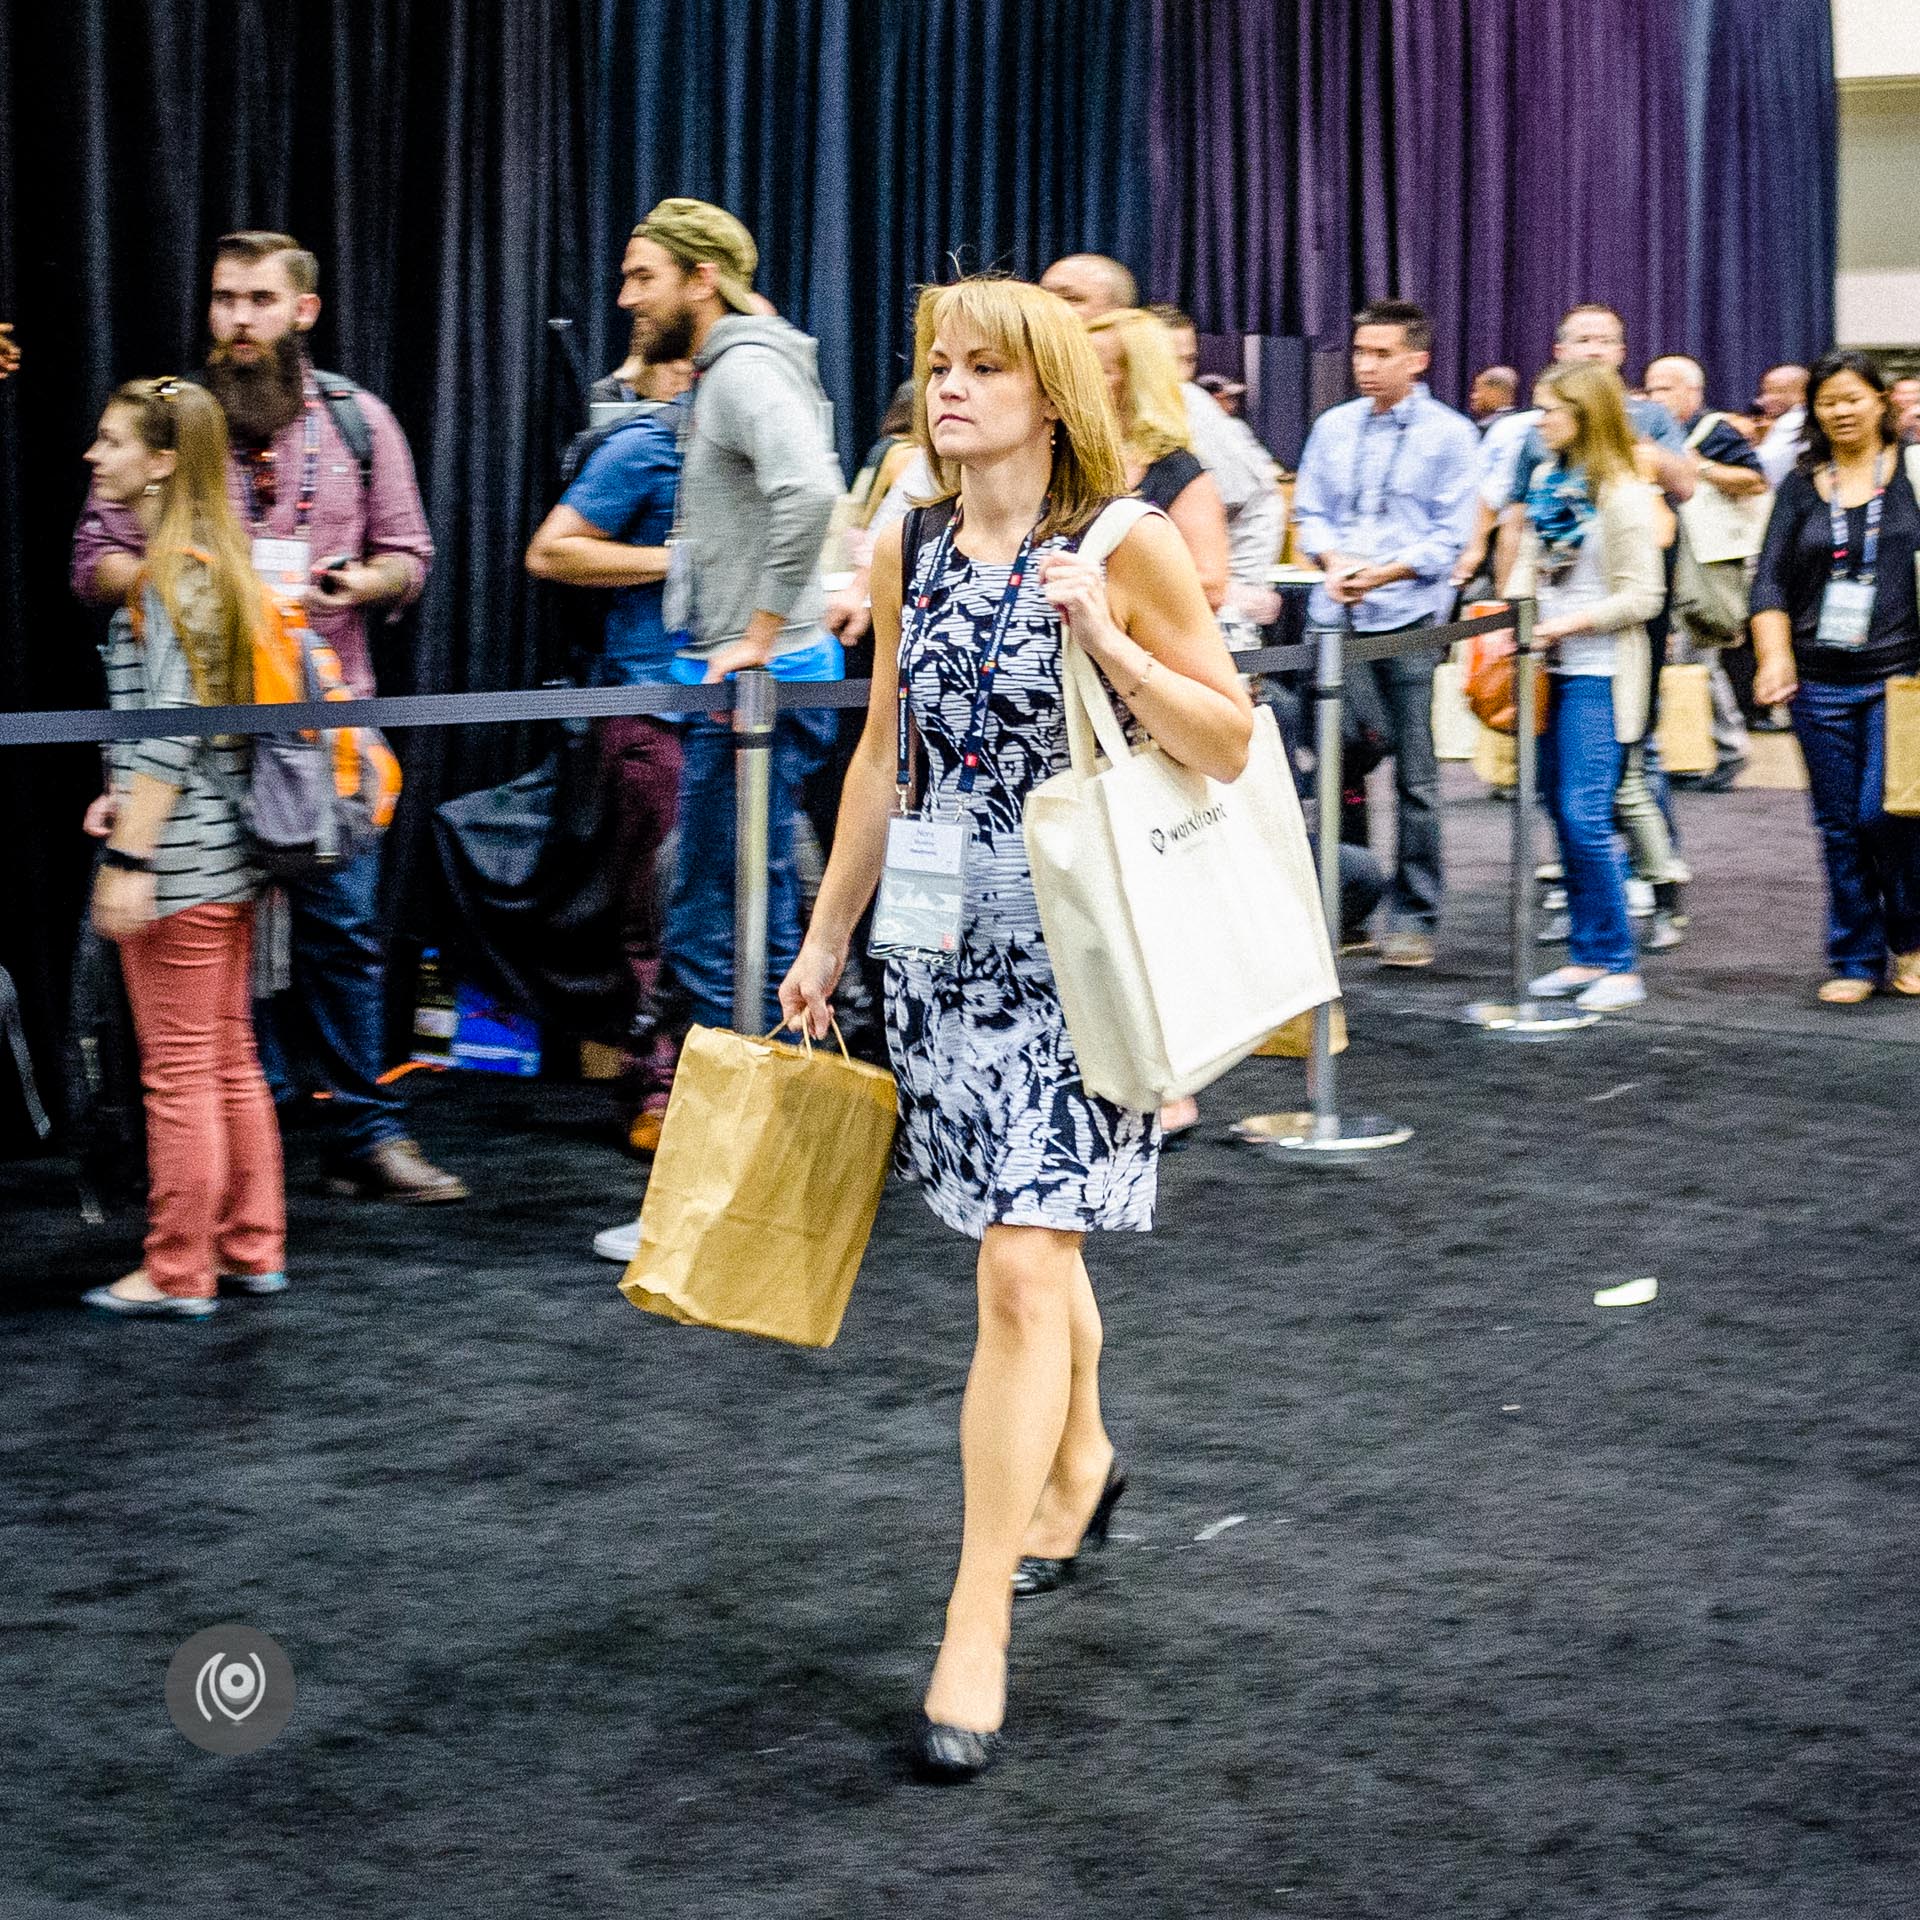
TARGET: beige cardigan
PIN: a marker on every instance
(1636, 578)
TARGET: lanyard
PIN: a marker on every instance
(912, 632)
(309, 473)
(1837, 522)
(1384, 492)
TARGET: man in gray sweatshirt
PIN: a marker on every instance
(759, 482)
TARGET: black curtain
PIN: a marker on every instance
(467, 171)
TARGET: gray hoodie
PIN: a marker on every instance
(759, 484)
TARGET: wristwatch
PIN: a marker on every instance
(127, 862)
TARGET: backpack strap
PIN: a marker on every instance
(921, 525)
(349, 420)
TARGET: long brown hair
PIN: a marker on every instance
(1602, 446)
(197, 526)
(1030, 328)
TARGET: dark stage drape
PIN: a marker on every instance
(1498, 160)
(1763, 205)
(467, 171)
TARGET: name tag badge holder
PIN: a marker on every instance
(922, 902)
(1846, 608)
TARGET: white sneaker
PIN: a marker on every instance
(1668, 930)
(1639, 898)
(1612, 992)
(619, 1243)
(1562, 983)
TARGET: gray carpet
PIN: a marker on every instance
(1440, 1590)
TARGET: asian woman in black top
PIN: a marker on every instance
(1834, 615)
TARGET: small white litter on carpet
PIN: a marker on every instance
(1631, 1293)
(1612, 1093)
(1515, 1408)
(1214, 1530)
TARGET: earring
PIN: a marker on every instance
(151, 488)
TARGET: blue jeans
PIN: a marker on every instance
(1405, 685)
(698, 947)
(333, 1018)
(1580, 764)
(1872, 856)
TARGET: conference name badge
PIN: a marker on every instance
(1846, 612)
(922, 888)
(283, 565)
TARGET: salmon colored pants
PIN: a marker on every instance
(217, 1198)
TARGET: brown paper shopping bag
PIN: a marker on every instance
(1685, 732)
(764, 1188)
(1294, 1041)
(1903, 745)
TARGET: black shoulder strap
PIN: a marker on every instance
(349, 419)
(921, 525)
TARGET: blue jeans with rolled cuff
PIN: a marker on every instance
(1872, 857)
(1580, 763)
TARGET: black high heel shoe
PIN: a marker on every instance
(951, 1756)
(1036, 1575)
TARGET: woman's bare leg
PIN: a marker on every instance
(1079, 1470)
(1010, 1426)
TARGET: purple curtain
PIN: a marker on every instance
(1496, 160)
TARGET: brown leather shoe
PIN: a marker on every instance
(396, 1170)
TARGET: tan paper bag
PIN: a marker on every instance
(1294, 1041)
(1903, 745)
(764, 1188)
(1495, 757)
(1686, 720)
(1454, 725)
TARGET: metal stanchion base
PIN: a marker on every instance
(1303, 1132)
(1527, 1021)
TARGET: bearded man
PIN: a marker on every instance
(320, 472)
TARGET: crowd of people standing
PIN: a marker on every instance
(1646, 527)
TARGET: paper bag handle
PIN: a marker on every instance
(806, 1038)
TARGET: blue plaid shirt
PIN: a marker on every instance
(1394, 487)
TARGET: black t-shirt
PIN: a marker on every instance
(1168, 478)
(1797, 562)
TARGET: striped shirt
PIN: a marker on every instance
(201, 859)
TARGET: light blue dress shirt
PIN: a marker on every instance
(1395, 487)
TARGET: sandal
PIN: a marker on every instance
(1849, 992)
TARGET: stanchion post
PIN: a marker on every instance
(753, 721)
(1521, 1017)
(1323, 1130)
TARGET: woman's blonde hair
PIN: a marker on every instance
(1029, 327)
(1153, 411)
(1602, 446)
(197, 522)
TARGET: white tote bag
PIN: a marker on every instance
(1182, 914)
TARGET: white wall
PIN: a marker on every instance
(1876, 39)
(1877, 291)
